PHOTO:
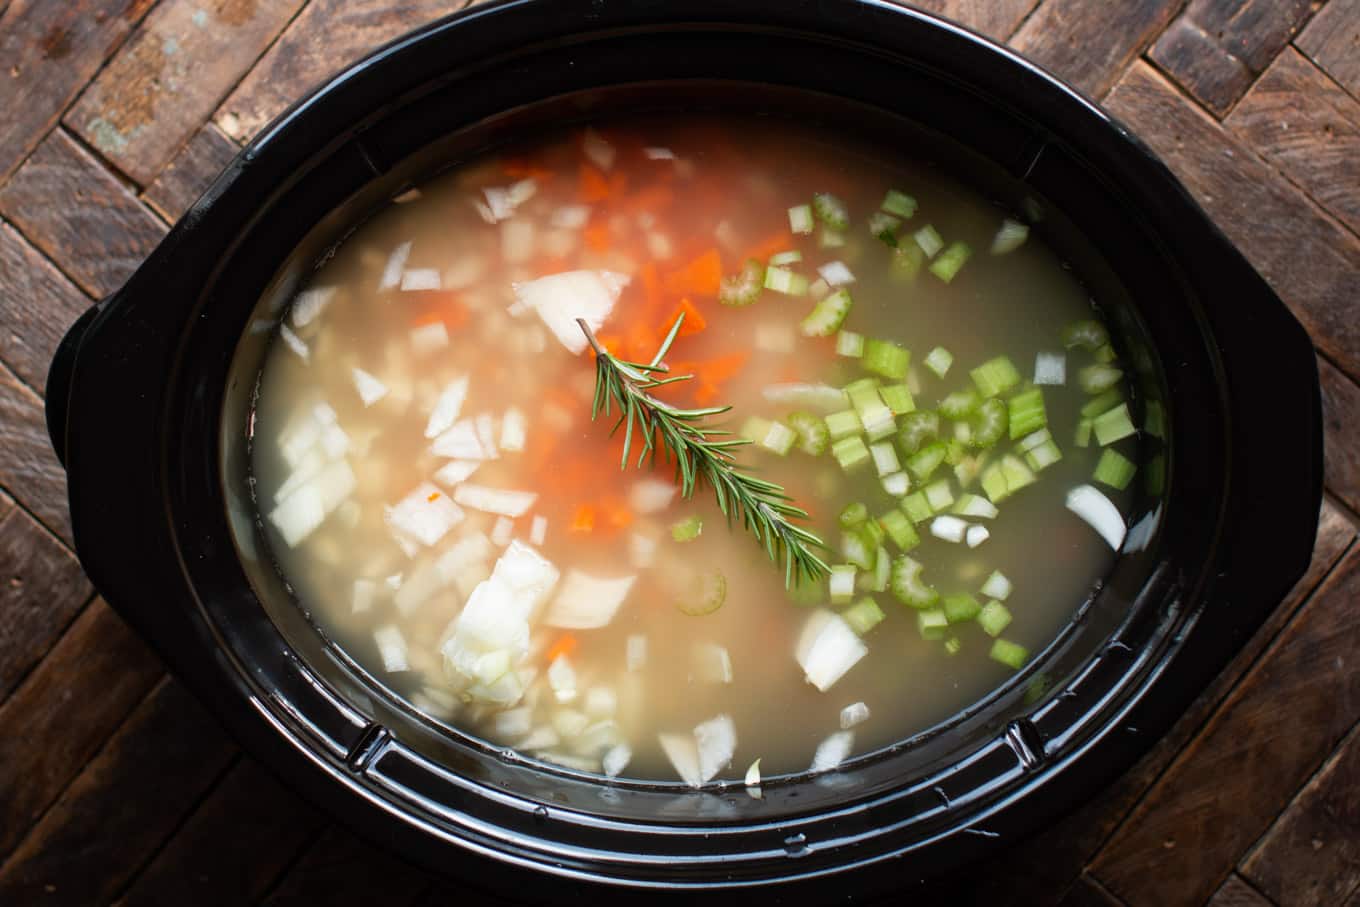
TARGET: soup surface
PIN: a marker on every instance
(927, 381)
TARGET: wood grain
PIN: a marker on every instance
(1310, 260)
(238, 840)
(195, 167)
(1236, 893)
(340, 870)
(28, 467)
(97, 233)
(1273, 731)
(1332, 39)
(37, 304)
(997, 19)
(48, 49)
(1302, 122)
(1201, 65)
(1087, 44)
(1087, 893)
(1311, 855)
(1341, 433)
(327, 36)
(66, 709)
(121, 807)
(170, 76)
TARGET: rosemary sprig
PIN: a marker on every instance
(701, 454)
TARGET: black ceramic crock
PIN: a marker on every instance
(150, 394)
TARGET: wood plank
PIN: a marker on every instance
(1236, 893)
(36, 307)
(1089, 44)
(340, 870)
(1310, 260)
(1088, 893)
(122, 806)
(1214, 49)
(98, 234)
(232, 848)
(1311, 855)
(1332, 39)
(1302, 122)
(28, 466)
(327, 36)
(191, 171)
(61, 714)
(1341, 433)
(48, 50)
(1029, 873)
(997, 19)
(1273, 731)
(170, 76)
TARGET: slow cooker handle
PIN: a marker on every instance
(60, 374)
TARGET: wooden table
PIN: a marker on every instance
(115, 785)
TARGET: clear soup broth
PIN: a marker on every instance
(926, 380)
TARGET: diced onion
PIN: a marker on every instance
(712, 663)
(651, 495)
(815, 396)
(1050, 368)
(897, 484)
(512, 430)
(365, 591)
(309, 304)
(997, 587)
(635, 652)
(832, 751)
(599, 151)
(641, 550)
(976, 535)
(562, 679)
(853, 714)
(538, 530)
(1009, 237)
(455, 471)
(299, 514)
(586, 602)
(426, 514)
(486, 434)
(827, 648)
(294, 343)
(429, 338)
(446, 407)
(396, 265)
(658, 154)
(716, 739)
(949, 528)
(836, 274)
(528, 574)
(601, 702)
(392, 648)
(460, 442)
(683, 753)
(503, 531)
(414, 279)
(753, 775)
(616, 760)
(517, 241)
(775, 337)
(370, 389)
(494, 500)
(560, 299)
(1092, 506)
(571, 217)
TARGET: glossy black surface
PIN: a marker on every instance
(167, 357)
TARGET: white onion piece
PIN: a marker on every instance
(586, 602)
(1050, 368)
(827, 648)
(1009, 237)
(562, 679)
(897, 484)
(294, 343)
(460, 442)
(571, 217)
(635, 652)
(528, 574)
(832, 751)
(712, 663)
(513, 427)
(600, 152)
(512, 724)
(716, 740)
(396, 264)
(447, 407)
(298, 515)
(429, 338)
(641, 550)
(334, 441)
(753, 775)
(494, 500)
(814, 396)
(538, 530)
(616, 760)
(486, 434)
(853, 714)
(949, 528)
(540, 739)
(455, 471)
(775, 337)
(503, 531)
(601, 703)
(517, 241)
(415, 279)
(392, 648)
(836, 274)
(425, 514)
(997, 587)
(559, 299)
(1092, 506)
(393, 581)
(976, 535)
(658, 154)
(976, 506)
(370, 389)
(683, 753)
(651, 495)
(309, 304)
(365, 591)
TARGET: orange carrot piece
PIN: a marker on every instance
(583, 520)
(651, 284)
(693, 324)
(597, 237)
(434, 496)
(701, 277)
(594, 187)
(565, 645)
(520, 169)
(762, 250)
(617, 514)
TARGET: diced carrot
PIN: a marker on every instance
(520, 169)
(594, 187)
(597, 236)
(434, 496)
(583, 520)
(441, 305)
(693, 324)
(701, 277)
(762, 250)
(651, 199)
(565, 645)
(616, 513)
(651, 284)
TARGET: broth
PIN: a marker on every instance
(417, 385)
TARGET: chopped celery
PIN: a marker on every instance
(873, 414)
(792, 256)
(932, 624)
(1102, 404)
(841, 583)
(687, 530)
(906, 585)
(1154, 419)
(872, 532)
(1154, 476)
(830, 239)
(1113, 425)
(857, 548)
(899, 528)
(885, 458)
(961, 608)
(779, 439)
(959, 404)
(828, 315)
(1017, 474)
(953, 645)
(1088, 334)
(887, 359)
(853, 515)
(754, 429)
(863, 615)
(917, 428)
(929, 239)
(954, 452)
(1033, 440)
(974, 506)
(843, 424)
(1096, 379)
(1010, 654)
(1001, 480)
(1043, 456)
(916, 507)
(939, 360)
(850, 344)
(790, 283)
(995, 376)
(707, 595)
(1026, 412)
(897, 398)
(850, 453)
(1114, 469)
(990, 423)
(1106, 354)
(968, 469)
(993, 618)
(899, 203)
(878, 580)
(926, 460)
(906, 262)
(951, 261)
(742, 289)
(813, 436)
(1083, 438)
(939, 495)
(963, 435)
(997, 586)
(800, 219)
(831, 211)
(884, 227)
